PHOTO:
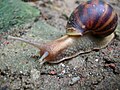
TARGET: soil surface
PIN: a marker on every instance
(20, 70)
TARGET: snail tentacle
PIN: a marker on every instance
(24, 40)
(42, 59)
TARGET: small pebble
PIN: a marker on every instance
(96, 60)
(35, 74)
(52, 72)
(70, 75)
(61, 75)
(63, 65)
(21, 72)
(111, 65)
(6, 42)
(74, 80)
(63, 72)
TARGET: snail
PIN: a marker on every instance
(91, 26)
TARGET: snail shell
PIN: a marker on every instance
(90, 26)
(95, 16)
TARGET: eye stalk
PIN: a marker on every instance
(42, 59)
(76, 32)
(73, 32)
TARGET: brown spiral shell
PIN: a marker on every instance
(94, 16)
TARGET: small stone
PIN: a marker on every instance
(63, 72)
(63, 65)
(70, 75)
(111, 65)
(60, 75)
(52, 72)
(21, 72)
(6, 42)
(35, 74)
(74, 80)
(96, 60)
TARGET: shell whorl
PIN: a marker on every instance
(94, 16)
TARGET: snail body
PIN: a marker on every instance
(90, 26)
(73, 46)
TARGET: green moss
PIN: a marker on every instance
(15, 13)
